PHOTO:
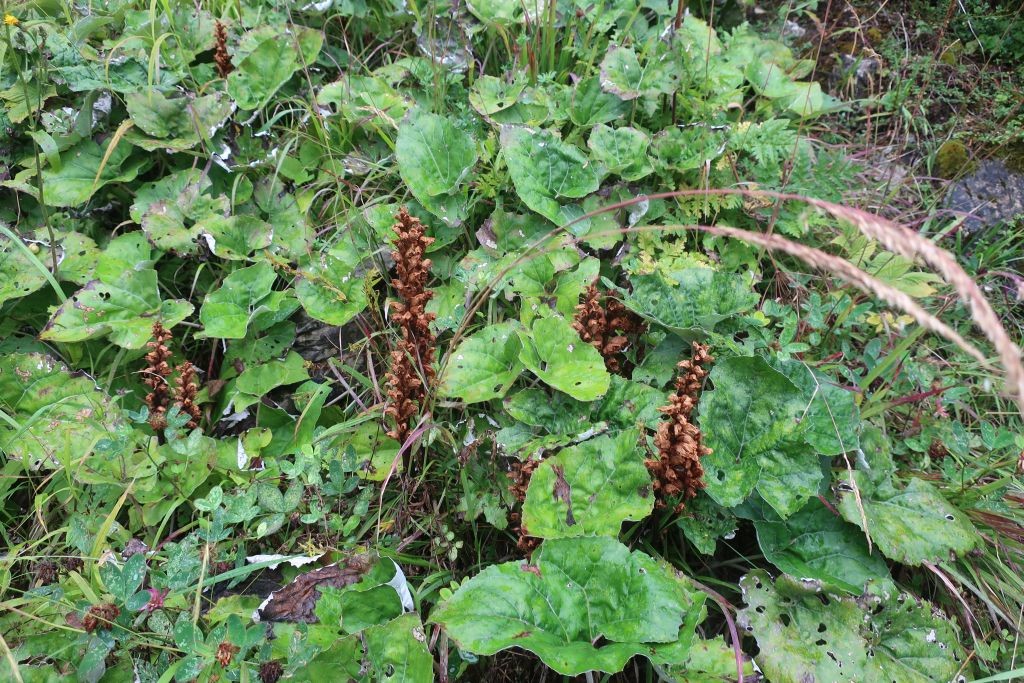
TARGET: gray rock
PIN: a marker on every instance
(991, 195)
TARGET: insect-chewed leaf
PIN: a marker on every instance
(485, 364)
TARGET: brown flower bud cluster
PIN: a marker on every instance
(519, 473)
(678, 472)
(225, 651)
(100, 616)
(156, 375)
(607, 326)
(412, 361)
(220, 54)
(185, 392)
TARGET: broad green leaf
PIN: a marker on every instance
(260, 379)
(807, 633)
(589, 489)
(554, 352)
(832, 423)
(695, 299)
(177, 123)
(554, 413)
(575, 593)
(912, 526)
(623, 151)
(273, 61)
(374, 451)
(330, 292)
(791, 473)
(815, 543)
(750, 411)
(125, 310)
(235, 237)
(434, 158)
(433, 155)
(709, 661)
(76, 181)
(704, 521)
(630, 404)
(61, 417)
(545, 169)
(590, 105)
(507, 12)
(622, 74)
(689, 147)
(243, 295)
(485, 364)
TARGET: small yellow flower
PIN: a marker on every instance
(11, 20)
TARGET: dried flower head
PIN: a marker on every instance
(678, 472)
(412, 361)
(155, 376)
(100, 616)
(604, 323)
(46, 572)
(220, 54)
(225, 651)
(271, 672)
(185, 391)
(520, 473)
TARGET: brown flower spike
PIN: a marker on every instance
(678, 471)
(520, 473)
(412, 369)
(155, 376)
(220, 55)
(606, 326)
(185, 391)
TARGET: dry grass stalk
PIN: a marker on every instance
(678, 473)
(412, 361)
(909, 244)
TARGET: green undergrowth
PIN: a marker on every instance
(232, 171)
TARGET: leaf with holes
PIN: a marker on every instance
(805, 632)
(589, 489)
(545, 169)
(576, 592)
(751, 410)
(554, 352)
(124, 310)
(914, 525)
(485, 364)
